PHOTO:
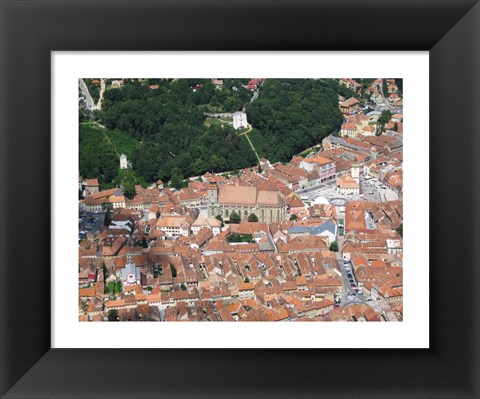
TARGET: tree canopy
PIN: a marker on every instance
(234, 218)
(165, 136)
(333, 246)
(293, 114)
(113, 315)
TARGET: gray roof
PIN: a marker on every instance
(335, 139)
(314, 230)
(328, 226)
(343, 143)
(130, 268)
(369, 222)
(299, 229)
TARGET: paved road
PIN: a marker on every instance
(379, 194)
(350, 296)
(90, 105)
(328, 190)
(313, 189)
(219, 115)
(386, 105)
(102, 91)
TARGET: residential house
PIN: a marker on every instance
(212, 223)
(350, 105)
(91, 187)
(174, 225)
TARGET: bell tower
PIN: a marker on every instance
(356, 171)
(212, 197)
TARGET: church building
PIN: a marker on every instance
(269, 206)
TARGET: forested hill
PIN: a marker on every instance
(291, 115)
(167, 132)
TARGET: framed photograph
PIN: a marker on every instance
(295, 198)
(223, 171)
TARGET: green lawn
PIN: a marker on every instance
(217, 121)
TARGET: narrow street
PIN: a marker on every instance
(88, 98)
(102, 90)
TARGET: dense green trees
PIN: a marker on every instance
(253, 218)
(99, 156)
(234, 218)
(168, 124)
(385, 117)
(399, 230)
(293, 114)
(107, 208)
(113, 315)
(383, 120)
(162, 131)
(177, 177)
(191, 150)
(333, 246)
(93, 89)
(236, 237)
(113, 287)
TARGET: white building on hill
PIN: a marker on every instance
(123, 162)
(239, 120)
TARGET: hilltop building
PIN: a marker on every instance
(239, 120)
(123, 162)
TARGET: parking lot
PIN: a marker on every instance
(89, 222)
(376, 191)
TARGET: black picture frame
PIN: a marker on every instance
(30, 30)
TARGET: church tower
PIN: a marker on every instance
(356, 172)
(123, 162)
(212, 197)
